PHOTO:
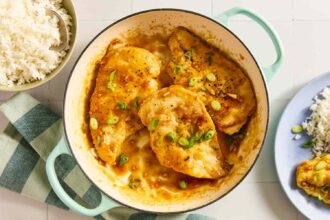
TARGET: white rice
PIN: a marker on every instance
(317, 124)
(26, 35)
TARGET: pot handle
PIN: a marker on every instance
(105, 203)
(268, 71)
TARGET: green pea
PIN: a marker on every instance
(93, 123)
(211, 77)
(183, 141)
(216, 105)
(112, 120)
(171, 136)
(183, 184)
(208, 135)
(153, 124)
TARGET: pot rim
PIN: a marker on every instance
(156, 10)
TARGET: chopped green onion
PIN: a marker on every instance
(112, 75)
(93, 123)
(309, 143)
(325, 188)
(136, 102)
(122, 159)
(191, 141)
(320, 165)
(193, 81)
(198, 135)
(188, 54)
(112, 120)
(122, 106)
(297, 129)
(319, 197)
(131, 183)
(171, 136)
(210, 58)
(211, 77)
(153, 124)
(98, 140)
(178, 69)
(216, 105)
(183, 141)
(183, 184)
(208, 135)
(112, 86)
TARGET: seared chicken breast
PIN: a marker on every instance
(125, 76)
(220, 83)
(183, 136)
(313, 176)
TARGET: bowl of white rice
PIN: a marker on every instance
(28, 37)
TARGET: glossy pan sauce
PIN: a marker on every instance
(142, 173)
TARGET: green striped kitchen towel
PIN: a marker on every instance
(25, 144)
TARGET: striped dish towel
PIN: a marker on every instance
(25, 144)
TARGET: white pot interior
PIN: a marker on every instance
(77, 94)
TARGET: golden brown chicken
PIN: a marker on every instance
(183, 135)
(125, 76)
(220, 83)
(313, 176)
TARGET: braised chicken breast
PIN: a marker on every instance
(220, 83)
(183, 136)
(313, 176)
(125, 76)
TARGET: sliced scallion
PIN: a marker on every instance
(211, 77)
(112, 120)
(153, 124)
(93, 123)
(122, 106)
(171, 136)
(112, 75)
(216, 106)
(193, 81)
(183, 184)
(297, 129)
(309, 143)
(177, 69)
(188, 54)
(208, 135)
(320, 165)
(122, 159)
(183, 141)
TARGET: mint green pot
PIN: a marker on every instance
(73, 141)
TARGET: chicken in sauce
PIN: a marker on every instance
(220, 82)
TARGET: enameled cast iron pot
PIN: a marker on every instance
(75, 141)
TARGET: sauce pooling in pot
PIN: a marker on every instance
(136, 165)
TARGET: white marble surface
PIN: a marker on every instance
(304, 27)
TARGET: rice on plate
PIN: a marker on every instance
(317, 124)
(27, 35)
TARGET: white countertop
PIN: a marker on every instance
(303, 26)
